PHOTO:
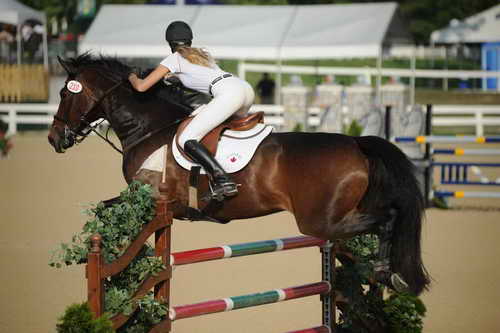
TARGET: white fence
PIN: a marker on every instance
(275, 114)
(33, 114)
(478, 116)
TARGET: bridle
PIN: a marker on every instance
(77, 135)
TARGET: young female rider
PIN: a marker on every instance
(197, 70)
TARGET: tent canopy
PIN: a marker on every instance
(250, 32)
(480, 28)
(13, 12)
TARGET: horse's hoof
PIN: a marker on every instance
(399, 284)
(391, 280)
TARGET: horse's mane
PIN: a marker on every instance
(177, 94)
(111, 64)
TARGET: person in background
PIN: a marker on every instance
(265, 89)
(197, 70)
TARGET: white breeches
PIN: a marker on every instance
(232, 95)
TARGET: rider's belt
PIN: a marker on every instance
(217, 80)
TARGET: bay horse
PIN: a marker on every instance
(336, 186)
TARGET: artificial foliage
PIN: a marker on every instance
(119, 225)
(78, 319)
(363, 304)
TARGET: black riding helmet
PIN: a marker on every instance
(178, 33)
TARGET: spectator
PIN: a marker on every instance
(265, 89)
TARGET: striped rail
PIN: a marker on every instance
(466, 194)
(319, 329)
(447, 139)
(244, 249)
(245, 301)
(466, 151)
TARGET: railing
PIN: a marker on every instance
(274, 114)
(43, 114)
(33, 114)
(477, 111)
(478, 116)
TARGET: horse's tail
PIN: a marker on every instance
(393, 185)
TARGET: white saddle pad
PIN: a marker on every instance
(235, 150)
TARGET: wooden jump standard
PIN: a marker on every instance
(97, 271)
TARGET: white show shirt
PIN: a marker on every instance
(193, 76)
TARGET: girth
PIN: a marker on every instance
(233, 123)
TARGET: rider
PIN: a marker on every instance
(197, 70)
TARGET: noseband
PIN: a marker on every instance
(76, 135)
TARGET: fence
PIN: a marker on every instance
(23, 83)
(451, 173)
(21, 114)
(97, 271)
(43, 114)
(479, 116)
(274, 114)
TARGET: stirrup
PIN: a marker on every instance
(219, 191)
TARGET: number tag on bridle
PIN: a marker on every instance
(74, 86)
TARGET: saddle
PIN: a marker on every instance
(233, 123)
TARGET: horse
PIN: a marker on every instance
(336, 186)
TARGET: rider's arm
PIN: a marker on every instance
(146, 83)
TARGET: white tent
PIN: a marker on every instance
(16, 13)
(250, 32)
(483, 27)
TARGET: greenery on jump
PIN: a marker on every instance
(119, 225)
(362, 309)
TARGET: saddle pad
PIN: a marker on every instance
(234, 152)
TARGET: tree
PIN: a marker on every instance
(67, 10)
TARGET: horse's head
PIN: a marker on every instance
(82, 97)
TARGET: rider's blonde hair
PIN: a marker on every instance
(196, 55)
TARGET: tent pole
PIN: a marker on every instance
(18, 38)
(45, 48)
(378, 97)
(241, 69)
(279, 83)
(413, 67)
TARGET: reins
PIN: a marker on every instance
(78, 136)
(83, 120)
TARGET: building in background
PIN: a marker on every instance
(480, 32)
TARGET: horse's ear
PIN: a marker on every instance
(66, 65)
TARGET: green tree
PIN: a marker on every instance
(68, 9)
(425, 16)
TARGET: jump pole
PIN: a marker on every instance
(244, 249)
(465, 151)
(447, 139)
(466, 194)
(245, 301)
(252, 248)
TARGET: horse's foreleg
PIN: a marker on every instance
(152, 178)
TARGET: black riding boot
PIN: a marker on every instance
(223, 184)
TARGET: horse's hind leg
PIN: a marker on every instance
(334, 214)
